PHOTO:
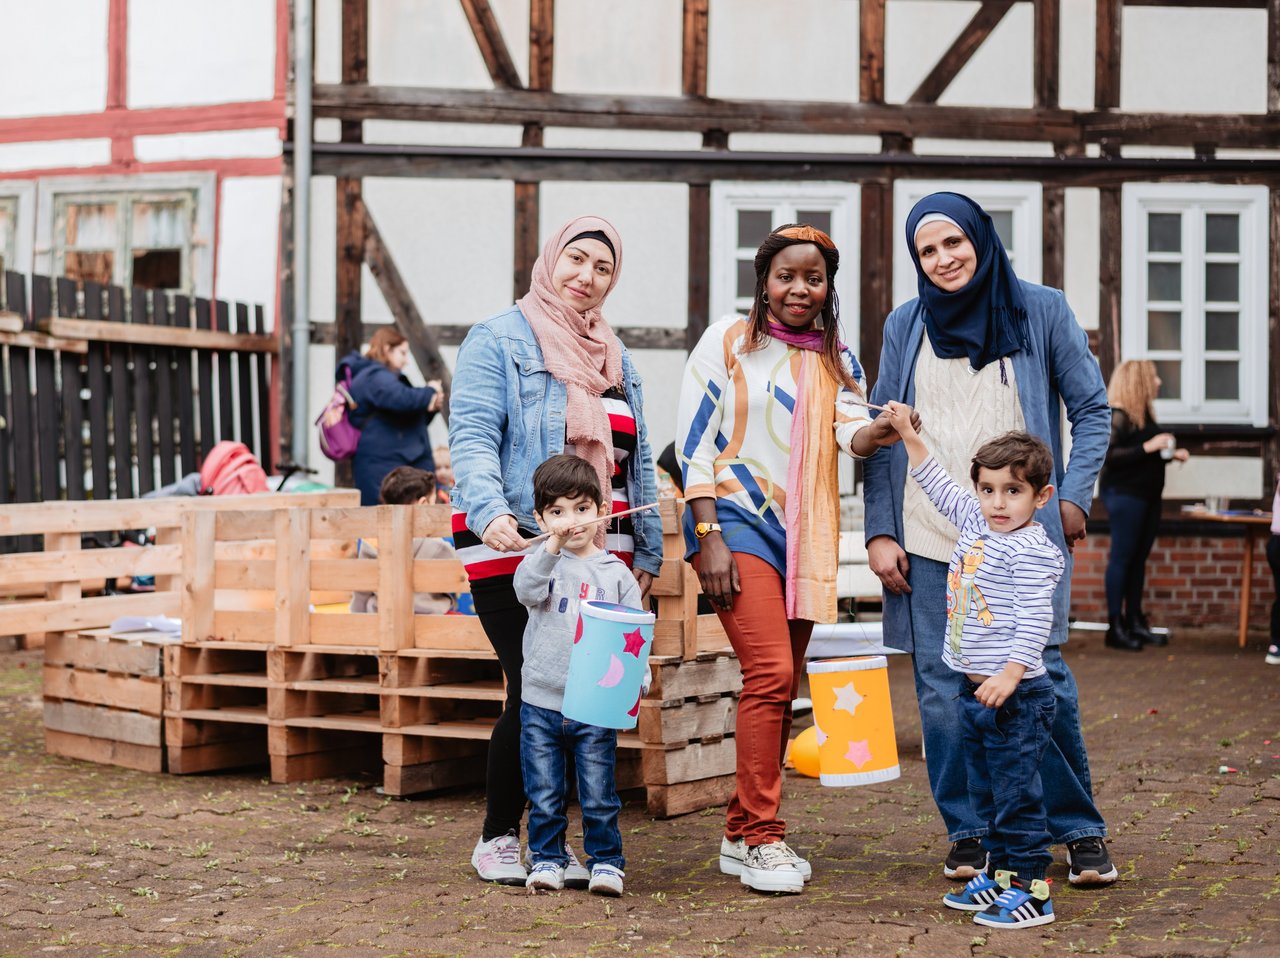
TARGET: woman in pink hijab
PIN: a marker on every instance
(544, 377)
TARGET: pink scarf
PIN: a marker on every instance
(813, 498)
(579, 349)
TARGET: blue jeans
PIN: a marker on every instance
(1134, 524)
(546, 739)
(1065, 770)
(1003, 748)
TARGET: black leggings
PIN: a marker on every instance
(503, 619)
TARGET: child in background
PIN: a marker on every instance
(564, 569)
(444, 473)
(409, 485)
(1273, 559)
(1000, 586)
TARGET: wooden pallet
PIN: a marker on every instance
(104, 698)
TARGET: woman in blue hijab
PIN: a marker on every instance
(978, 353)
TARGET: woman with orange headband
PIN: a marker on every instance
(766, 403)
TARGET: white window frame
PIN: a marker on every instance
(23, 193)
(199, 267)
(1251, 204)
(1023, 199)
(842, 200)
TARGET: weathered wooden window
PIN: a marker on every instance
(743, 214)
(1015, 210)
(138, 238)
(1194, 286)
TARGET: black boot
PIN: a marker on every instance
(1119, 636)
(1140, 629)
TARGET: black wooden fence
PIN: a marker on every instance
(111, 393)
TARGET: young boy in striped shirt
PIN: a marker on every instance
(1000, 587)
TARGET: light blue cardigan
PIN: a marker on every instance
(1059, 369)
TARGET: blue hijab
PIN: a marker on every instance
(986, 319)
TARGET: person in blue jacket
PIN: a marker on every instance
(979, 353)
(391, 414)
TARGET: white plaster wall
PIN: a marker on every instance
(248, 245)
(629, 47)
(186, 52)
(413, 43)
(38, 78)
(1080, 256)
(54, 154)
(217, 144)
(1194, 61)
(798, 50)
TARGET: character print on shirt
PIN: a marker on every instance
(963, 594)
(565, 603)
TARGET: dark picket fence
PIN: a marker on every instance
(111, 393)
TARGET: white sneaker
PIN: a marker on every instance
(606, 880)
(772, 867)
(498, 860)
(546, 876)
(733, 854)
(575, 873)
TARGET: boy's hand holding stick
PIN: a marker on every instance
(591, 522)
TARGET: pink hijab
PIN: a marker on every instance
(579, 349)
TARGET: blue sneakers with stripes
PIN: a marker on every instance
(1019, 906)
(979, 893)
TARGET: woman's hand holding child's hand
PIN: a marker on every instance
(902, 417)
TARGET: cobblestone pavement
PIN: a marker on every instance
(102, 861)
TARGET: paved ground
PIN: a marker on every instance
(102, 861)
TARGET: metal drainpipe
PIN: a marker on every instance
(302, 134)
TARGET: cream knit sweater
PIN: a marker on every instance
(960, 410)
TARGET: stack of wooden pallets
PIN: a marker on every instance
(261, 675)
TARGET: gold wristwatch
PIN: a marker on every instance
(704, 529)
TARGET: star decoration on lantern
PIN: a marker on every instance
(822, 736)
(859, 753)
(633, 642)
(847, 698)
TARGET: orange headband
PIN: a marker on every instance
(809, 235)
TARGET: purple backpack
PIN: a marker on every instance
(338, 437)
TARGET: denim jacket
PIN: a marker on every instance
(1058, 370)
(506, 417)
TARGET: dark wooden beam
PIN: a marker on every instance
(1109, 266)
(542, 22)
(1047, 56)
(871, 51)
(694, 48)
(404, 311)
(519, 107)
(350, 224)
(1106, 66)
(705, 166)
(527, 215)
(876, 272)
(1054, 226)
(961, 50)
(446, 334)
(493, 48)
(699, 238)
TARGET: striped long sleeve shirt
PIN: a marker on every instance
(999, 585)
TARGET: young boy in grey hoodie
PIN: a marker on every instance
(567, 568)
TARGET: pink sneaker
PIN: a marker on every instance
(498, 860)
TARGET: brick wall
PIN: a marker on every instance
(1191, 581)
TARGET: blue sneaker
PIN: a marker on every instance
(1019, 906)
(978, 893)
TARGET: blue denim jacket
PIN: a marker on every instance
(1059, 369)
(506, 418)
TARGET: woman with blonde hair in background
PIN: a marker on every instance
(1131, 484)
